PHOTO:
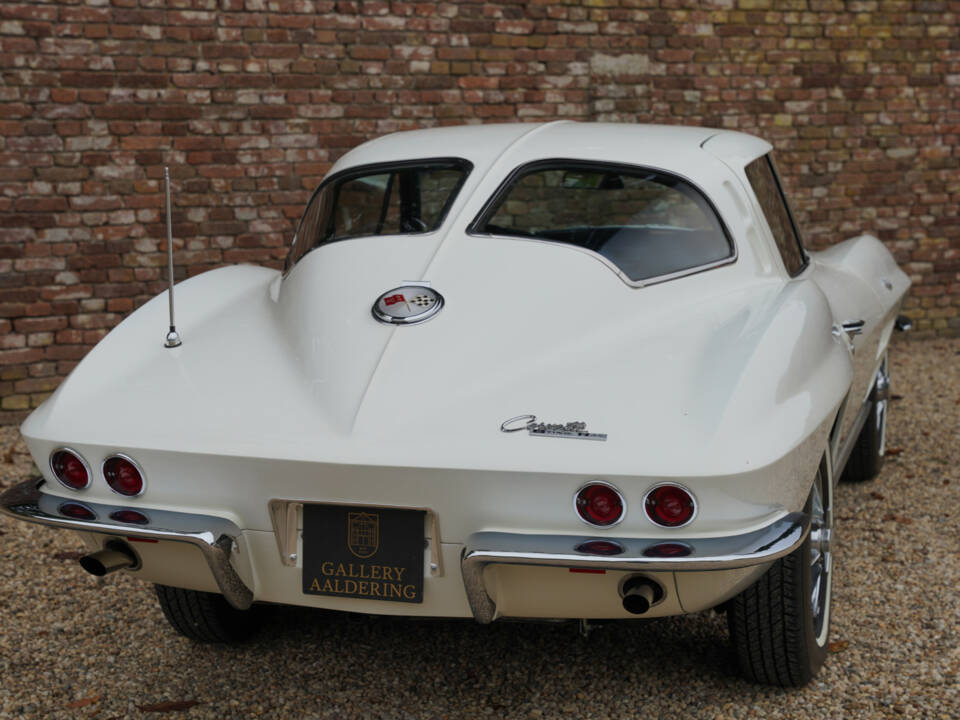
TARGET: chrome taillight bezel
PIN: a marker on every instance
(623, 504)
(81, 458)
(137, 467)
(678, 486)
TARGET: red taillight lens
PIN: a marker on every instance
(131, 517)
(78, 511)
(669, 505)
(122, 475)
(599, 547)
(70, 469)
(668, 550)
(599, 505)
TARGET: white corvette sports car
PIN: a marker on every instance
(571, 371)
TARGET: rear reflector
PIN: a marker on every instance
(668, 550)
(599, 547)
(588, 571)
(77, 511)
(131, 517)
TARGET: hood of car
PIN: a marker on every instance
(698, 375)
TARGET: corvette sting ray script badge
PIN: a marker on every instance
(576, 430)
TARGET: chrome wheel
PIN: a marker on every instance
(821, 558)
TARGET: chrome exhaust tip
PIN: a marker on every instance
(115, 556)
(640, 594)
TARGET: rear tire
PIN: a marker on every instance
(866, 458)
(780, 625)
(206, 617)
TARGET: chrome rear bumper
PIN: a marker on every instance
(214, 536)
(777, 539)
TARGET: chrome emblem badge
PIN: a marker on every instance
(363, 533)
(407, 305)
(576, 430)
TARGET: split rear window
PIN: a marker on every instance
(393, 199)
(648, 223)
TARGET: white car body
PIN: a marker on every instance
(286, 391)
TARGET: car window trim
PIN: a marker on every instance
(372, 169)
(486, 212)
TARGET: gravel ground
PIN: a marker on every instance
(74, 646)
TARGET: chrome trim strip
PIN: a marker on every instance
(777, 539)
(286, 516)
(214, 536)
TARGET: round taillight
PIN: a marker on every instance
(669, 505)
(70, 469)
(77, 511)
(122, 475)
(131, 517)
(600, 504)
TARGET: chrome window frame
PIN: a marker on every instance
(490, 205)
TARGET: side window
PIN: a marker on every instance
(767, 188)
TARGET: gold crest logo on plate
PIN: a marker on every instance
(363, 533)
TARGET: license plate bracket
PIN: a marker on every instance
(363, 552)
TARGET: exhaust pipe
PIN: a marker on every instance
(639, 594)
(115, 556)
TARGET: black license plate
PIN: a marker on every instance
(363, 552)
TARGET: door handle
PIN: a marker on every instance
(853, 327)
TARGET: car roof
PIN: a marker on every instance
(671, 147)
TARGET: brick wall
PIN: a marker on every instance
(250, 101)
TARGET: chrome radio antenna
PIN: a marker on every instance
(173, 338)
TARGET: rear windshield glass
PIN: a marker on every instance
(401, 199)
(647, 223)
